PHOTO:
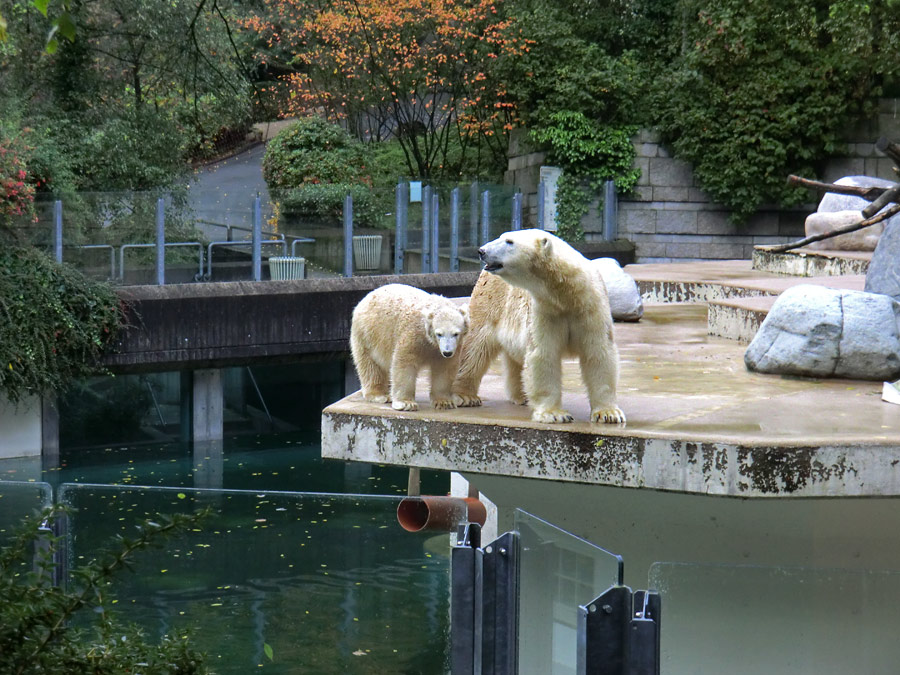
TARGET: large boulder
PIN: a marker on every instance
(832, 203)
(884, 268)
(823, 332)
(624, 297)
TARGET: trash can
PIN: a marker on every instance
(367, 251)
(282, 268)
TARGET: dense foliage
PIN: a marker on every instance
(314, 151)
(768, 88)
(47, 628)
(54, 323)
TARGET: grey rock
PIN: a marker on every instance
(865, 239)
(836, 202)
(884, 268)
(823, 332)
(624, 297)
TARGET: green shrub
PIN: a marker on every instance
(68, 628)
(325, 202)
(314, 151)
(54, 323)
(589, 153)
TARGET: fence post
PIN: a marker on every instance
(348, 236)
(454, 230)
(540, 205)
(57, 231)
(435, 224)
(400, 202)
(426, 229)
(610, 212)
(257, 237)
(485, 219)
(160, 242)
(517, 211)
(473, 213)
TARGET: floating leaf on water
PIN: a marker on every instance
(267, 648)
(181, 495)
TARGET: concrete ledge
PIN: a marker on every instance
(738, 318)
(222, 324)
(804, 262)
(698, 423)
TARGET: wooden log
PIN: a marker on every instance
(890, 149)
(867, 193)
(886, 198)
(884, 215)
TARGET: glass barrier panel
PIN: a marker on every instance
(18, 500)
(778, 619)
(330, 583)
(558, 572)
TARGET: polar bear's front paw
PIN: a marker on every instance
(443, 404)
(405, 405)
(380, 398)
(612, 415)
(552, 416)
(466, 400)
(519, 400)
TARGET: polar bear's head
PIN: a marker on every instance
(445, 327)
(516, 256)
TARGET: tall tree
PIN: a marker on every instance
(417, 70)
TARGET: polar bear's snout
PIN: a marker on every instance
(491, 261)
(447, 345)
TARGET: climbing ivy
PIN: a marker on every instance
(54, 322)
(589, 153)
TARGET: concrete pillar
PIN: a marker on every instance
(207, 402)
(209, 464)
(50, 432)
(20, 427)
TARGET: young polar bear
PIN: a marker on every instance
(538, 300)
(395, 331)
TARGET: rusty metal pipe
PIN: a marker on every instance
(430, 512)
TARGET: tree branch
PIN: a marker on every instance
(884, 215)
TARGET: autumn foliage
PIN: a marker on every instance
(417, 70)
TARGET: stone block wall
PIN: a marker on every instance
(669, 218)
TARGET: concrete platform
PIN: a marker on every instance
(807, 262)
(698, 423)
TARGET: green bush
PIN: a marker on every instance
(314, 151)
(69, 628)
(325, 202)
(589, 153)
(54, 323)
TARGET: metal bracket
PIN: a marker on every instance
(618, 633)
(484, 604)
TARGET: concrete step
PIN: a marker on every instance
(806, 262)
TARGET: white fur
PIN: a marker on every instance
(537, 301)
(396, 330)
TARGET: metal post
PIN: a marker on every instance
(435, 222)
(257, 237)
(160, 242)
(610, 212)
(517, 211)
(348, 236)
(426, 229)
(540, 205)
(485, 218)
(401, 199)
(473, 213)
(454, 230)
(57, 231)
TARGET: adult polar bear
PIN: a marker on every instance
(538, 300)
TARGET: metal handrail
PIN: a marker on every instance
(199, 246)
(300, 240)
(229, 228)
(209, 248)
(112, 255)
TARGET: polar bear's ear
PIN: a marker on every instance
(544, 243)
(464, 310)
(429, 324)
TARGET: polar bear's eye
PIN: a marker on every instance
(509, 242)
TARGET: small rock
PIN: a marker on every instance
(822, 332)
(861, 240)
(624, 298)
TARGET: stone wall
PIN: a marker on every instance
(670, 218)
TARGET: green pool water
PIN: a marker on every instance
(300, 554)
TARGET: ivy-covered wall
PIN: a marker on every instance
(669, 218)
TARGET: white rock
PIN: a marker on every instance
(823, 332)
(865, 239)
(624, 298)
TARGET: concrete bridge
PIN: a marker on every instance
(199, 329)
